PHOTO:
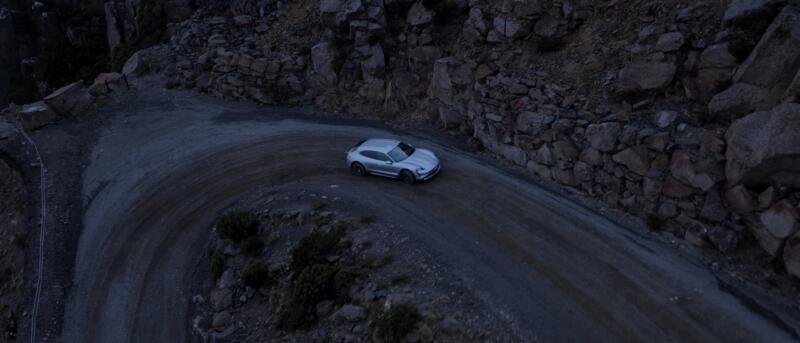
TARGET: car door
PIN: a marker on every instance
(376, 162)
(386, 165)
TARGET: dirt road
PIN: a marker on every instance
(171, 161)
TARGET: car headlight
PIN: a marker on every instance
(420, 170)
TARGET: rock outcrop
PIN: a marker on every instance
(663, 147)
(34, 116)
(69, 100)
(764, 148)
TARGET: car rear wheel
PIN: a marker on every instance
(407, 177)
(358, 169)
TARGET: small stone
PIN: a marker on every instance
(767, 198)
(221, 299)
(603, 137)
(664, 119)
(669, 42)
(781, 219)
(740, 199)
(221, 320)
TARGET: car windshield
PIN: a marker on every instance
(401, 152)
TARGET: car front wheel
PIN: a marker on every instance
(358, 169)
(407, 177)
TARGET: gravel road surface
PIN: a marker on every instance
(169, 162)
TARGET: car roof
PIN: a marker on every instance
(381, 145)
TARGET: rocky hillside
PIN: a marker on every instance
(308, 272)
(681, 112)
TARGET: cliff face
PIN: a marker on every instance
(8, 55)
(47, 45)
(627, 101)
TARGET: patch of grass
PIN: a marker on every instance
(237, 225)
(315, 284)
(254, 274)
(252, 246)
(397, 323)
(316, 247)
(217, 262)
(367, 219)
(320, 205)
(376, 262)
(400, 279)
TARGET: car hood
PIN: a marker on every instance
(422, 158)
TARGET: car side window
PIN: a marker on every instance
(375, 155)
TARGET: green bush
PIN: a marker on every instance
(316, 247)
(217, 261)
(376, 262)
(254, 273)
(399, 321)
(400, 279)
(314, 284)
(237, 225)
(367, 219)
(252, 246)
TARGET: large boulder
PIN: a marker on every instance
(322, 58)
(474, 27)
(791, 255)
(717, 56)
(449, 75)
(107, 83)
(684, 170)
(508, 27)
(603, 136)
(70, 100)
(736, 101)
(766, 240)
(739, 11)
(775, 61)
(35, 115)
(781, 219)
(419, 15)
(635, 159)
(764, 147)
(534, 122)
(670, 41)
(645, 76)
